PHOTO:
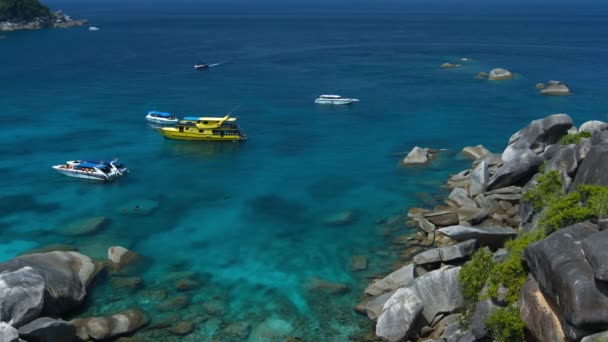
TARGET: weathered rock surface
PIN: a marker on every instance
(593, 126)
(487, 236)
(538, 135)
(424, 224)
(475, 152)
(479, 179)
(592, 168)
(499, 74)
(439, 291)
(459, 198)
(416, 156)
(442, 218)
(399, 278)
(67, 275)
(45, 329)
(399, 315)
(599, 337)
(595, 248)
(374, 307)
(490, 205)
(427, 257)
(120, 258)
(564, 276)
(446, 253)
(540, 317)
(21, 295)
(8, 333)
(555, 88)
(101, 328)
(472, 215)
(565, 159)
(516, 171)
(482, 309)
(582, 149)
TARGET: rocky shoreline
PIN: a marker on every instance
(563, 297)
(58, 20)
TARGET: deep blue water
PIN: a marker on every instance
(250, 216)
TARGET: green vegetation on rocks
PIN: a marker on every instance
(23, 10)
(506, 325)
(548, 189)
(473, 275)
(574, 138)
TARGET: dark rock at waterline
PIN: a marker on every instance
(66, 275)
(106, 327)
(595, 248)
(46, 329)
(563, 274)
(516, 171)
(555, 88)
(8, 333)
(541, 319)
(538, 135)
(21, 295)
(487, 236)
(593, 168)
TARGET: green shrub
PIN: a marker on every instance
(548, 189)
(511, 272)
(574, 138)
(506, 325)
(473, 274)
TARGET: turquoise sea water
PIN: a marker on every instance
(250, 217)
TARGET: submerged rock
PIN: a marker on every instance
(499, 74)
(46, 329)
(101, 328)
(416, 156)
(555, 88)
(139, 207)
(342, 218)
(121, 259)
(85, 226)
(182, 328)
(329, 287)
(271, 329)
(66, 275)
(21, 295)
(358, 263)
(237, 331)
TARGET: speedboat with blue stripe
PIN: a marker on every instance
(162, 118)
(104, 171)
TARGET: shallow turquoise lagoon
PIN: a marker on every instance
(251, 218)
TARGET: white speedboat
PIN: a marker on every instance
(161, 118)
(114, 164)
(335, 100)
(91, 170)
(201, 66)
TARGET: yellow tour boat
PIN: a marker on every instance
(205, 128)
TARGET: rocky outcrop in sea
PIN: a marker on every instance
(564, 296)
(58, 20)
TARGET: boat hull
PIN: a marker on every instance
(336, 101)
(83, 175)
(172, 133)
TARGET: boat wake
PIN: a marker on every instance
(216, 64)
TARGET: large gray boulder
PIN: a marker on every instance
(67, 275)
(582, 149)
(47, 329)
(479, 179)
(374, 307)
(459, 198)
(442, 218)
(538, 135)
(399, 278)
(431, 256)
(475, 152)
(21, 295)
(595, 248)
(555, 88)
(8, 333)
(399, 315)
(516, 171)
(439, 290)
(103, 328)
(417, 156)
(565, 159)
(593, 168)
(593, 126)
(563, 274)
(599, 137)
(541, 320)
(487, 236)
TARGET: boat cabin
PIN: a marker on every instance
(163, 115)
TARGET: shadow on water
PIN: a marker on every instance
(24, 203)
(275, 207)
(200, 149)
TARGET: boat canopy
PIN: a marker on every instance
(89, 165)
(163, 114)
(191, 118)
(330, 96)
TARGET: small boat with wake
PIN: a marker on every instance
(201, 66)
(100, 170)
(334, 100)
(161, 118)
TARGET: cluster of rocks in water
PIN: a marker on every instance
(565, 296)
(57, 20)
